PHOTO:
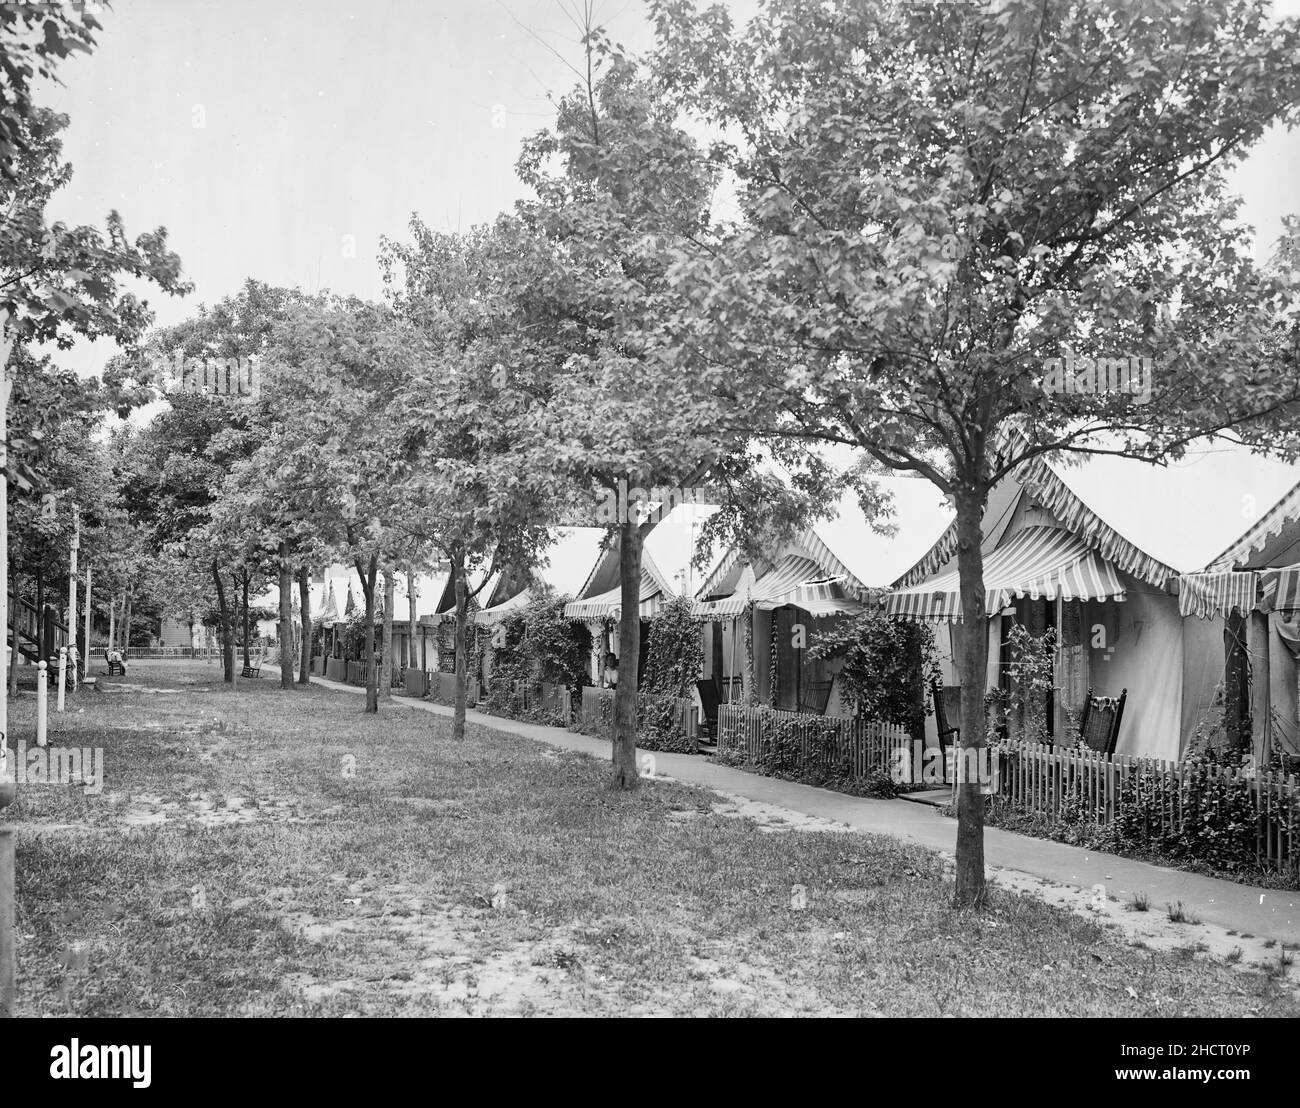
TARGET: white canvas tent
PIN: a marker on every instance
(1131, 529)
(835, 567)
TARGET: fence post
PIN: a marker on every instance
(63, 675)
(42, 700)
(8, 953)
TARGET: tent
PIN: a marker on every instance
(833, 569)
(1097, 550)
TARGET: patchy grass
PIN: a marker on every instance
(268, 852)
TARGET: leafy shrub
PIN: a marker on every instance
(809, 750)
(656, 725)
(887, 666)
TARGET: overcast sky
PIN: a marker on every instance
(279, 139)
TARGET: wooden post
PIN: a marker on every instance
(63, 677)
(72, 597)
(8, 956)
(85, 642)
(42, 699)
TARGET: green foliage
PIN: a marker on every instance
(533, 646)
(674, 650)
(354, 634)
(657, 724)
(1216, 829)
(887, 666)
(1033, 673)
(811, 750)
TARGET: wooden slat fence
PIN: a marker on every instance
(598, 707)
(862, 746)
(1171, 796)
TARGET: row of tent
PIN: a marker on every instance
(1155, 578)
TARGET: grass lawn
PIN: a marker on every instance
(262, 852)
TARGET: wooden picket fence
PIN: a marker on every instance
(864, 745)
(442, 688)
(536, 698)
(598, 708)
(1049, 781)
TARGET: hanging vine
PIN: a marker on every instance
(751, 691)
(773, 665)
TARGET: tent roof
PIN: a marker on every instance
(1152, 521)
(669, 544)
(1273, 541)
(848, 547)
(1038, 562)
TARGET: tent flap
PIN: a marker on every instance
(1215, 594)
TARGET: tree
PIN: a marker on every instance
(182, 491)
(470, 427)
(619, 190)
(333, 453)
(938, 199)
(34, 39)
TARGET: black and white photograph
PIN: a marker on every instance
(639, 509)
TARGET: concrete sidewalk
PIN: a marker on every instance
(1267, 913)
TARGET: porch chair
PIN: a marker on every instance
(1099, 728)
(815, 696)
(948, 734)
(710, 701)
(733, 689)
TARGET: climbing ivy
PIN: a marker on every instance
(887, 665)
(674, 650)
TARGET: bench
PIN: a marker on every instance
(253, 670)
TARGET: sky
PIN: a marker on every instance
(279, 139)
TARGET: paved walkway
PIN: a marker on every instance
(1263, 912)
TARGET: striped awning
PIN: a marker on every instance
(609, 604)
(1216, 594)
(796, 581)
(1042, 563)
(728, 607)
(487, 617)
(1281, 589)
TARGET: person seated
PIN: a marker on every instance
(116, 657)
(611, 671)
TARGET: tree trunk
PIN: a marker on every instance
(368, 586)
(386, 671)
(286, 618)
(972, 668)
(245, 575)
(629, 650)
(227, 631)
(304, 600)
(126, 621)
(112, 621)
(12, 675)
(412, 659)
(41, 645)
(462, 662)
